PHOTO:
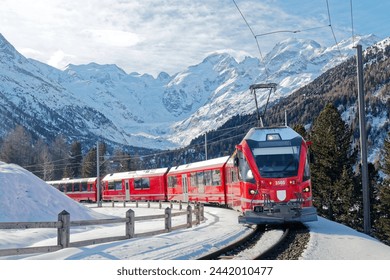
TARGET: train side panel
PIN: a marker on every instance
(135, 185)
(200, 182)
(81, 190)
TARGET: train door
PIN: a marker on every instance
(127, 190)
(184, 183)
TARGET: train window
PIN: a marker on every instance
(142, 183)
(207, 178)
(76, 187)
(194, 180)
(216, 178)
(111, 186)
(68, 187)
(172, 182)
(244, 168)
(277, 162)
(306, 172)
(84, 187)
(201, 181)
(115, 185)
(118, 185)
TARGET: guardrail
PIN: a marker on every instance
(63, 225)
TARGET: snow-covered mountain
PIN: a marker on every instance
(93, 101)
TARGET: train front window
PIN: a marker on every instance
(277, 162)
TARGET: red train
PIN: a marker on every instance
(267, 179)
(82, 190)
(135, 185)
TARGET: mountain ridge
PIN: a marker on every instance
(93, 101)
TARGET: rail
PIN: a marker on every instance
(63, 225)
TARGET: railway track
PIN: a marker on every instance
(266, 243)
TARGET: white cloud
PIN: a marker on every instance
(115, 38)
(152, 36)
(59, 59)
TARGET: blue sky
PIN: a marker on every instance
(149, 36)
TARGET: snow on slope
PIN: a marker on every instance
(26, 198)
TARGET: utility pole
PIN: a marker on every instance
(363, 142)
(99, 203)
(205, 144)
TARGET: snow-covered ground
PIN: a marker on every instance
(24, 197)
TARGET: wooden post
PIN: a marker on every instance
(197, 213)
(168, 219)
(201, 212)
(63, 233)
(130, 224)
(189, 216)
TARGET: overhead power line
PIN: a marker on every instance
(331, 27)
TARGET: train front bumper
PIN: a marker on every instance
(279, 215)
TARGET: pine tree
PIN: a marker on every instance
(382, 225)
(16, 148)
(43, 161)
(59, 150)
(73, 168)
(332, 175)
(89, 164)
(300, 129)
(122, 161)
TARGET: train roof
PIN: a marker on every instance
(72, 180)
(262, 133)
(216, 162)
(134, 174)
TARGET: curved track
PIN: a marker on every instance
(266, 243)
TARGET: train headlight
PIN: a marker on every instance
(307, 189)
(273, 137)
(252, 192)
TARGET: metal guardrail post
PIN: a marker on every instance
(63, 232)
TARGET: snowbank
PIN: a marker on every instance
(26, 198)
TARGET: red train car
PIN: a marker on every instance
(274, 177)
(200, 181)
(135, 185)
(82, 190)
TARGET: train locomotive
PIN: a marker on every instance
(274, 184)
